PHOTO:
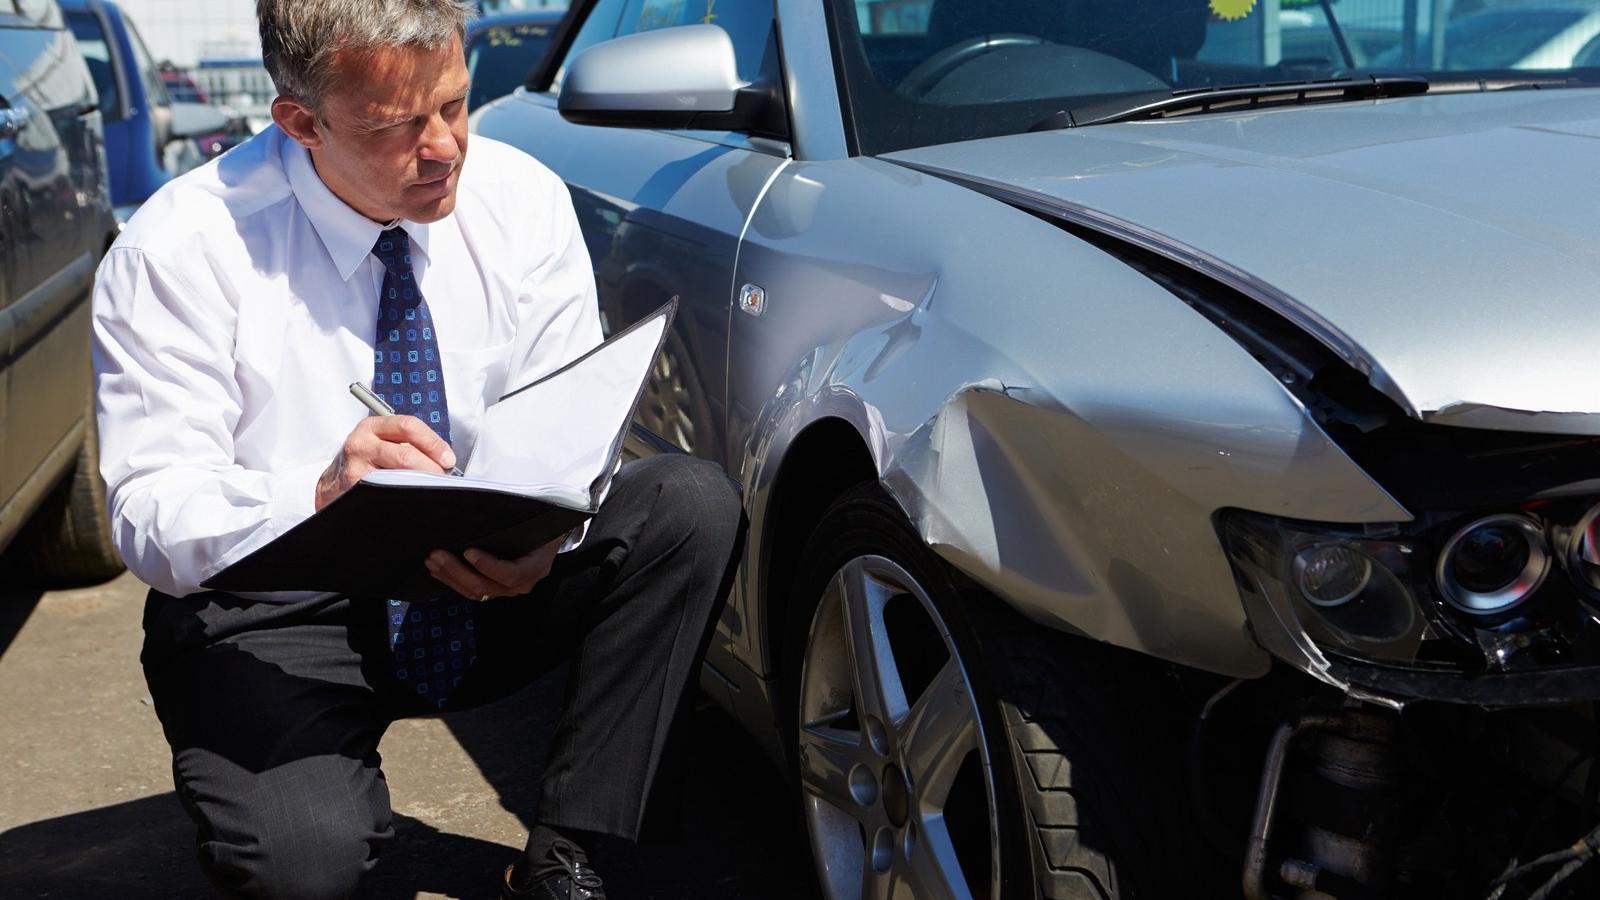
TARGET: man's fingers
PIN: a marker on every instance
(386, 455)
(521, 574)
(412, 430)
(464, 579)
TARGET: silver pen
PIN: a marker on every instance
(379, 408)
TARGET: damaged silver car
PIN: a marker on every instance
(1169, 429)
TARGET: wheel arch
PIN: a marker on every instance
(825, 459)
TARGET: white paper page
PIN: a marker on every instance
(561, 494)
(562, 430)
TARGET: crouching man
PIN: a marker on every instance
(354, 241)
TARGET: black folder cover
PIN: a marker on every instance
(371, 541)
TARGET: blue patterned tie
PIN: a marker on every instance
(432, 641)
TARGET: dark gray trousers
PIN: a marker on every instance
(274, 711)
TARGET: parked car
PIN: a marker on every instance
(1158, 462)
(55, 223)
(503, 48)
(149, 136)
(236, 129)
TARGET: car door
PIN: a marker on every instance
(662, 213)
(48, 199)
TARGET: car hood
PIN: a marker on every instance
(1447, 246)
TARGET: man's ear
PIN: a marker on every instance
(297, 121)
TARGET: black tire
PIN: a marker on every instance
(1084, 755)
(67, 542)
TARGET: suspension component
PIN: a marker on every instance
(1342, 796)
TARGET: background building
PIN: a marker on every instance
(180, 30)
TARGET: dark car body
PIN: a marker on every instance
(503, 48)
(55, 223)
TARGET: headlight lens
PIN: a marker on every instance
(1331, 575)
(1493, 564)
(1336, 587)
(1583, 552)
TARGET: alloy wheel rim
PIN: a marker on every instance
(879, 768)
(665, 405)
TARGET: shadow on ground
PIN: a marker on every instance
(17, 601)
(728, 834)
(721, 826)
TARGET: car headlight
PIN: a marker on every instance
(1493, 564)
(1467, 592)
(1583, 552)
(1326, 588)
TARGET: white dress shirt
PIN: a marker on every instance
(242, 300)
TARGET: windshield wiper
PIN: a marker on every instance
(1235, 97)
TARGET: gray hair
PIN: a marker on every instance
(299, 38)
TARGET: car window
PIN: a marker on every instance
(747, 22)
(922, 72)
(501, 56)
(154, 89)
(600, 25)
(97, 55)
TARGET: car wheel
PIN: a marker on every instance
(946, 748)
(68, 539)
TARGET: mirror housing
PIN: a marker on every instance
(679, 77)
(192, 120)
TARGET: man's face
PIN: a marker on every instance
(392, 136)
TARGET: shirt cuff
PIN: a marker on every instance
(294, 495)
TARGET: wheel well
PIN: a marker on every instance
(823, 462)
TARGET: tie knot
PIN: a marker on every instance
(393, 249)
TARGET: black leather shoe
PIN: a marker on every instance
(564, 875)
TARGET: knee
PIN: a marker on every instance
(699, 499)
(321, 858)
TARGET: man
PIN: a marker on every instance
(352, 242)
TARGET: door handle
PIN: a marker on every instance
(13, 121)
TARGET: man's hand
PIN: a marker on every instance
(477, 575)
(383, 442)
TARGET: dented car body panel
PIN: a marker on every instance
(1388, 230)
(971, 384)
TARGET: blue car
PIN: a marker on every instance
(142, 120)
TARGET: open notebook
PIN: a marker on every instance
(544, 456)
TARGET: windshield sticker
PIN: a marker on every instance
(1232, 10)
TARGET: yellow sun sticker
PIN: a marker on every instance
(1232, 10)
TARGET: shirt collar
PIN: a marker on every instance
(348, 235)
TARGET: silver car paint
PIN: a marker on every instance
(1054, 424)
(699, 58)
(1431, 241)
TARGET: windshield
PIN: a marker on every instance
(920, 72)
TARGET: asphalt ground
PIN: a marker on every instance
(87, 809)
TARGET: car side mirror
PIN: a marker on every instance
(680, 77)
(192, 120)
